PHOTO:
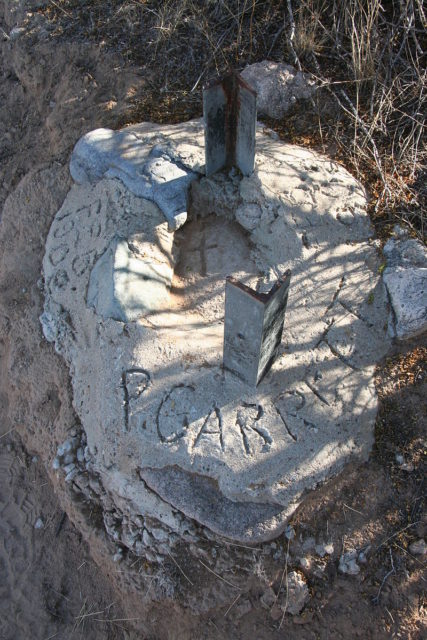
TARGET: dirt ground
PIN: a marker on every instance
(58, 579)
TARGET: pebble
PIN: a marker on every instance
(289, 532)
(80, 455)
(268, 598)
(363, 555)
(71, 475)
(56, 464)
(348, 564)
(39, 524)
(69, 467)
(298, 593)
(276, 613)
(418, 548)
(16, 32)
(67, 446)
(118, 556)
(146, 538)
(305, 563)
(160, 535)
(324, 549)
(405, 466)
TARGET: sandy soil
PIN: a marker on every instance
(58, 579)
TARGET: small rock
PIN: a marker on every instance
(16, 32)
(71, 475)
(67, 446)
(408, 297)
(118, 556)
(276, 612)
(405, 466)
(69, 458)
(418, 548)
(348, 564)
(146, 538)
(297, 594)
(242, 608)
(324, 549)
(290, 532)
(69, 467)
(56, 464)
(160, 535)
(305, 563)
(363, 555)
(268, 598)
(39, 524)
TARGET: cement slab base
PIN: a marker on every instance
(169, 433)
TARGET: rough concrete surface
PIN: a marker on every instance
(157, 408)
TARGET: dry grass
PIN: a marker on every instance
(369, 56)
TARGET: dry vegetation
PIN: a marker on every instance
(368, 57)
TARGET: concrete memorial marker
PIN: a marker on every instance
(229, 107)
(253, 327)
(176, 441)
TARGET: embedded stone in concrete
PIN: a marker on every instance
(153, 172)
(152, 395)
(253, 327)
(198, 497)
(132, 277)
(229, 108)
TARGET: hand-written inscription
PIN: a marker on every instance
(172, 418)
(212, 426)
(58, 254)
(64, 229)
(134, 383)
(290, 408)
(248, 421)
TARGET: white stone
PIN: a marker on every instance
(297, 594)
(279, 86)
(406, 280)
(348, 564)
(133, 276)
(408, 296)
(418, 548)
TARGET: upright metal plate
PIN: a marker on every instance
(229, 107)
